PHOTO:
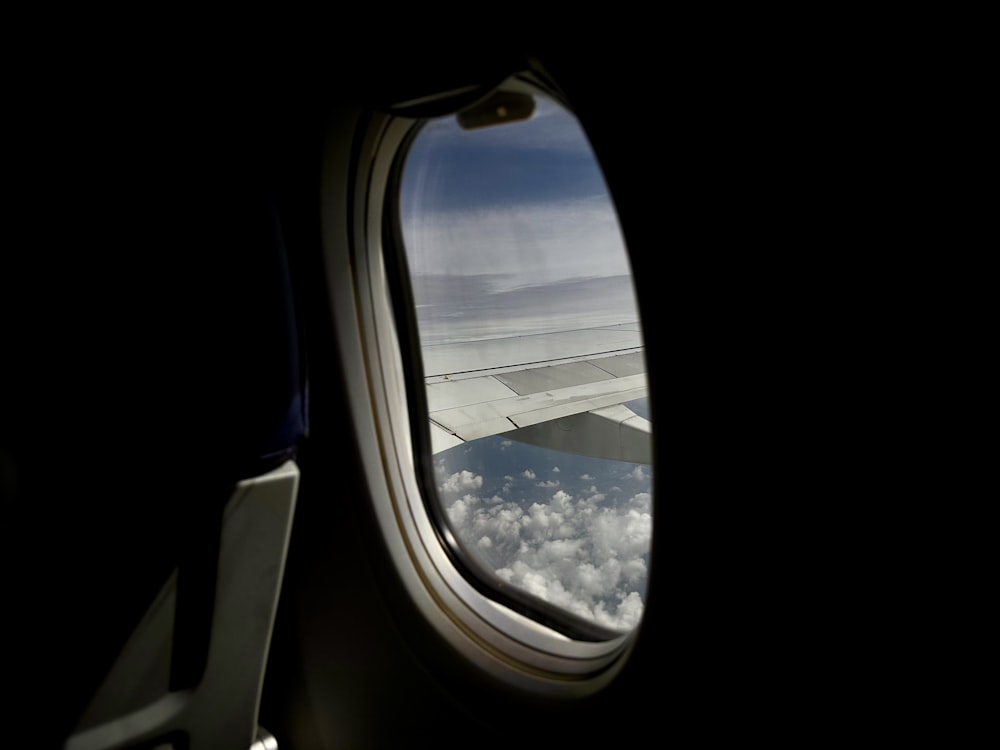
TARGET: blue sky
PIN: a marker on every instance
(524, 200)
(544, 160)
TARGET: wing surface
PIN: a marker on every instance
(565, 390)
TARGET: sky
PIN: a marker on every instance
(524, 201)
(510, 231)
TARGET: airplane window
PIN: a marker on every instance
(533, 361)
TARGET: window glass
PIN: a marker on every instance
(533, 360)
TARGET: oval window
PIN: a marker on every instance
(533, 364)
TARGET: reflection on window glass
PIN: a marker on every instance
(533, 359)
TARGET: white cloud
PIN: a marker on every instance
(555, 469)
(463, 480)
(639, 474)
(528, 474)
(551, 483)
(586, 478)
(575, 552)
(622, 535)
(458, 513)
(642, 501)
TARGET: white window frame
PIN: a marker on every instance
(508, 646)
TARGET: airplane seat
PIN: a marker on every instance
(211, 414)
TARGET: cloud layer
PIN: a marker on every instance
(582, 551)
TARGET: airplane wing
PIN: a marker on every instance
(565, 390)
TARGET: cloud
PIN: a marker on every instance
(550, 484)
(463, 480)
(555, 469)
(642, 501)
(577, 553)
(528, 474)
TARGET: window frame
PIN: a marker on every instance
(386, 396)
(483, 579)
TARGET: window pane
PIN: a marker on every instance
(533, 361)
